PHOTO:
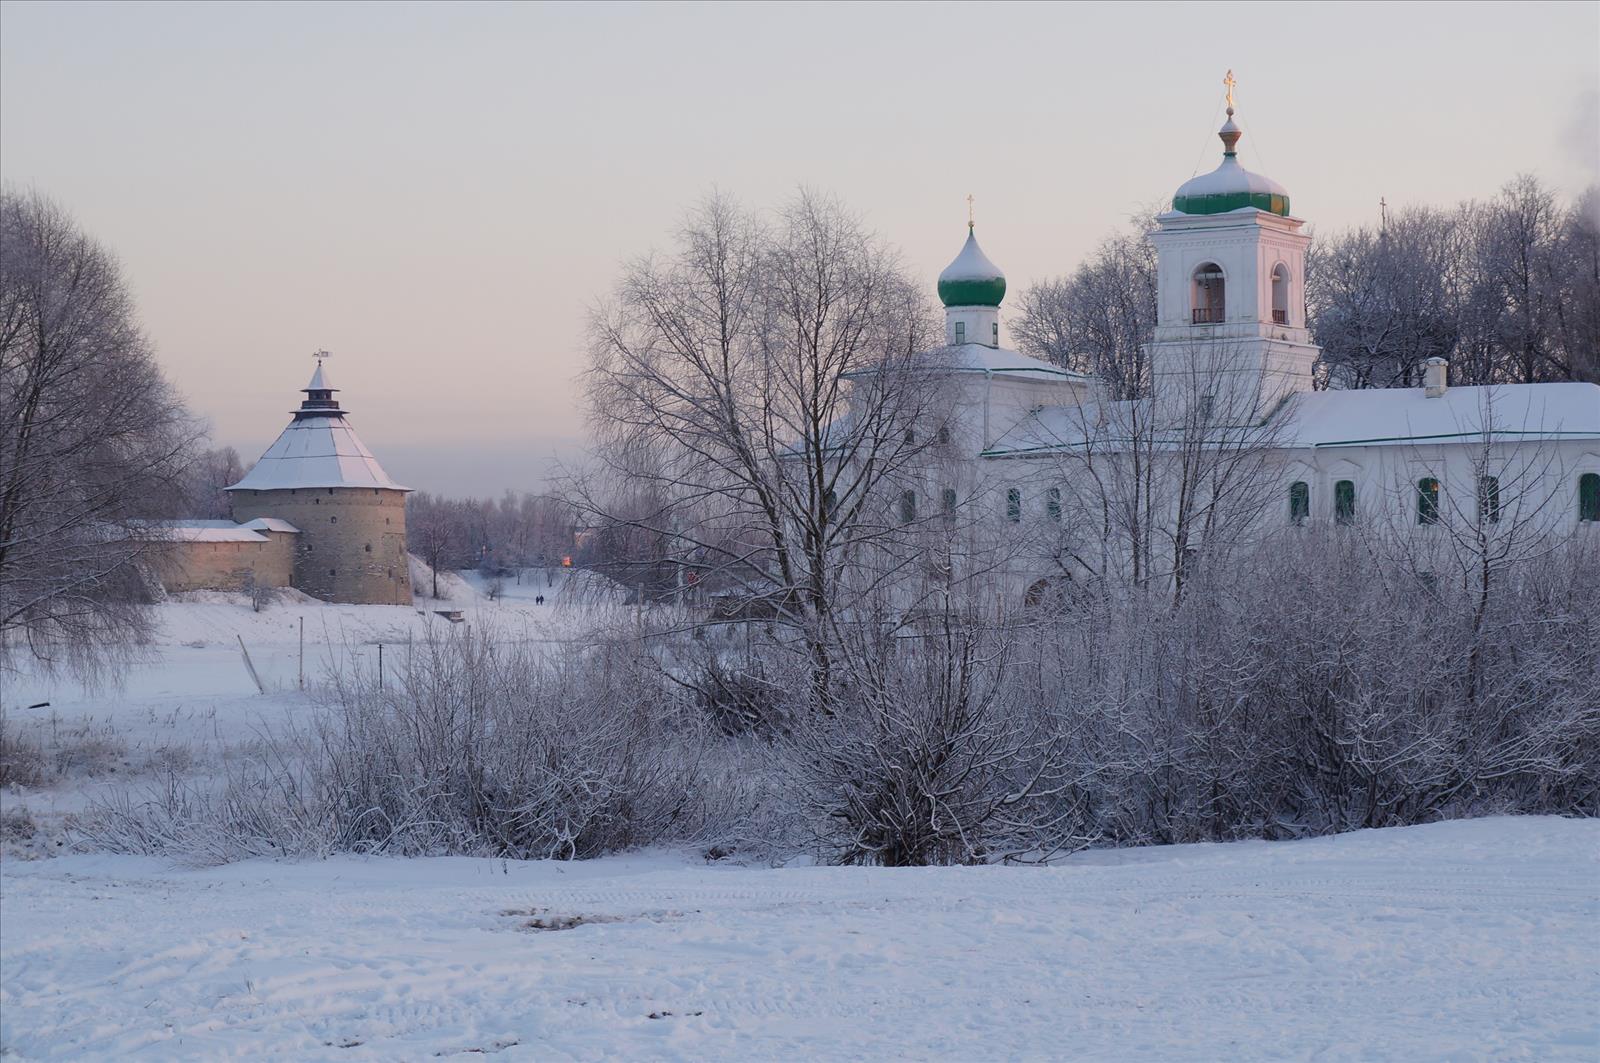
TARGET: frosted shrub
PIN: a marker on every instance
(495, 748)
(926, 758)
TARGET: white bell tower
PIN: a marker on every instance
(1230, 323)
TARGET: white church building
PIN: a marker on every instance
(1231, 372)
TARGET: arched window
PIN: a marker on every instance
(1427, 500)
(1013, 504)
(1344, 502)
(1280, 294)
(1299, 502)
(908, 507)
(1589, 497)
(948, 496)
(911, 436)
(1052, 504)
(1489, 499)
(944, 434)
(1210, 301)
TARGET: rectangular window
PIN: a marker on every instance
(1344, 502)
(949, 499)
(1489, 499)
(1589, 497)
(1013, 504)
(908, 507)
(1299, 502)
(1052, 504)
(961, 332)
(1427, 500)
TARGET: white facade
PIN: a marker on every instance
(1231, 355)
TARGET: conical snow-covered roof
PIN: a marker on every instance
(318, 449)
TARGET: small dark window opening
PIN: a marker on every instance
(369, 548)
(1427, 500)
(1589, 497)
(908, 507)
(1013, 504)
(1299, 502)
(948, 496)
(944, 435)
(333, 520)
(911, 435)
(1489, 499)
(330, 572)
(1344, 502)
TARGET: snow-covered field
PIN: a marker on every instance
(1472, 940)
(1459, 941)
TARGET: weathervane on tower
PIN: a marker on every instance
(321, 356)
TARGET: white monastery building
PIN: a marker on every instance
(1231, 373)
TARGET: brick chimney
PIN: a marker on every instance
(1434, 375)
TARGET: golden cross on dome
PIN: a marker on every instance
(969, 210)
(1229, 81)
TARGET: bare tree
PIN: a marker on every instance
(1098, 319)
(91, 438)
(762, 383)
(213, 471)
(431, 530)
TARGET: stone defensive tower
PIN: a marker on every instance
(351, 516)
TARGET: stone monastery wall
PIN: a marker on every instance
(190, 566)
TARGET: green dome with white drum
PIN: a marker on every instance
(972, 280)
(1230, 186)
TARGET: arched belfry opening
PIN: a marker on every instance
(1209, 301)
(1280, 294)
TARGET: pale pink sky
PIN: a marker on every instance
(437, 193)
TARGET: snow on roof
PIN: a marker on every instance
(978, 358)
(320, 451)
(971, 264)
(981, 358)
(1379, 416)
(272, 524)
(320, 381)
(1368, 417)
(1230, 177)
(196, 531)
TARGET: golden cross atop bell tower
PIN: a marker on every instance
(1229, 81)
(969, 211)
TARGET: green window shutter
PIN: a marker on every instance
(1427, 500)
(1344, 502)
(1589, 497)
(1299, 502)
(1489, 499)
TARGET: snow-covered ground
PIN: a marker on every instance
(1459, 941)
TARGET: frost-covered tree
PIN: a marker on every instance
(92, 438)
(759, 383)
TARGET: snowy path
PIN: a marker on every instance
(1459, 941)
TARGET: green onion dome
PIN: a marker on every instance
(972, 280)
(1230, 186)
